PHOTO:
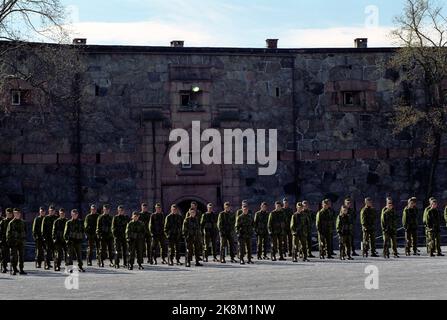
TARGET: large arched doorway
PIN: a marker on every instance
(184, 205)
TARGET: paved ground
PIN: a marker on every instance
(404, 278)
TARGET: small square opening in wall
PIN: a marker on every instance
(278, 92)
(351, 98)
(185, 99)
(16, 97)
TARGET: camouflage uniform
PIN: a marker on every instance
(324, 227)
(119, 224)
(299, 227)
(16, 238)
(244, 230)
(145, 217)
(262, 233)
(432, 221)
(105, 237)
(368, 220)
(4, 247)
(60, 245)
(287, 240)
(136, 233)
(90, 224)
(410, 224)
(343, 227)
(310, 222)
(38, 238)
(47, 234)
(199, 215)
(225, 224)
(352, 220)
(277, 229)
(389, 230)
(208, 224)
(74, 235)
(156, 228)
(191, 232)
(173, 232)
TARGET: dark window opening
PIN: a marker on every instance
(351, 98)
(353, 154)
(98, 158)
(250, 182)
(96, 90)
(23, 158)
(57, 158)
(191, 99)
(387, 153)
(278, 92)
(186, 99)
(16, 97)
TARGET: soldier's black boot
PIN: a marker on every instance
(310, 255)
(111, 265)
(163, 261)
(273, 257)
(89, 262)
(81, 269)
(281, 258)
(354, 254)
(140, 266)
(198, 264)
(38, 265)
(295, 260)
(171, 261)
(188, 263)
(155, 261)
(205, 259)
(233, 260)
(222, 260)
(130, 266)
(22, 272)
(242, 262)
(250, 261)
(374, 255)
(215, 259)
(259, 257)
(265, 257)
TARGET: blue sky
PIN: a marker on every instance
(299, 23)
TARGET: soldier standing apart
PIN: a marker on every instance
(38, 237)
(173, 232)
(276, 227)
(353, 219)
(16, 238)
(368, 220)
(343, 227)
(199, 218)
(4, 247)
(262, 233)
(288, 213)
(47, 234)
(73, 235)
(191, 232)
(105, 237)
(225, 224)
(410, 224)
(145, 217)
(324, 228)
(299, 226)
(136, 233)
(311, 222)
(208, 224)
(90, 224)
(389, 229)
(156, 228)
(119, 224)
(244, 230)
(60, 247)
(432, 221)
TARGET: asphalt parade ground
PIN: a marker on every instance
(415, 277)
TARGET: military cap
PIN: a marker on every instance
(348, 199)
(432, 199)
(193, 202)
(209, 205)
(227, 204)
(305, 202)
(326, 201)
(9, 210)
(278, 203)
(135, 213)
(93, 206)
(368, 199)
(299, 205)
(144, 204)
(106, 206)
(17, 210)
(285, 200)
(245, 202)
(264, 204)
(74, 211)
(174, 206)
(40, 208)
(413, 199)
(61, 210)
(51, 207)
(120, 207)
(244, 205)
(158, 205)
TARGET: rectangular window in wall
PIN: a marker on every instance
(351, 98)
(16, 97)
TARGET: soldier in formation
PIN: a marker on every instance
(74, 235)
(105, 237)
(16, 238)
(324, 228)
(410, 224)
(119, 224)
(38, 237)
(4, 246)
(299, 227)
(277, 229)
(225, 225)
(389, 229)
(136, 236)
(261, 230)
(208, 225)
(244, 230)
(288, 213)
(60, 246)
(191, 233)
(344, 231)
(145, 217)
(432, 223)
(368, 216)
(90, 224)
(156, 229)
(173, 232)
(47, 235)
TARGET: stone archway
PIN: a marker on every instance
(184, 204)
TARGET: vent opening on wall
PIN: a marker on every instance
(278, 92)
(98, 158)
